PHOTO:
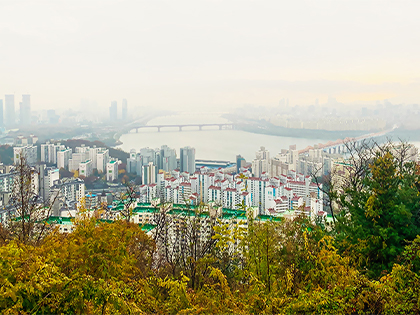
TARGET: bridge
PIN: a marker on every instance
(180, 126)
(339, 146)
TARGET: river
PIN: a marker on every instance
(209, 143)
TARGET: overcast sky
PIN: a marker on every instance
(198, 54)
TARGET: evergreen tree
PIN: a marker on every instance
(378, 219)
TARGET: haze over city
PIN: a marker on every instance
(191, 55)
(209, 157)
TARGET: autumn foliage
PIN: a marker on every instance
(271, 267)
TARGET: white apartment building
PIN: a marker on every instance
(48, 176)
(29, 152)
(269, 195)
(72, 189)
(6, 182)
(102, 158)
(34, 182)
(262, 163)
(77, 158)
(63, 158)
(214, 195)
(148, 193)
(24, 141)
(49, 152)
(260, 166)
(149, 173)
(184, 190)
(281, 205)
(93, 152)
(82, 149)
(86, 168)
(112, 170)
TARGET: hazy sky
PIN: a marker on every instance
(198, 54)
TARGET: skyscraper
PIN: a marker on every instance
(187, 160)
(9, 101)
(124, 109)
(148, 174)
(167, 158)
(262, 163)
(1, 113)
(25, 110)
(240, 161)
(113, 111)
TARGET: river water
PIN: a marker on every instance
(210, 143)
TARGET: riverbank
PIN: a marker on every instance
(264, 127)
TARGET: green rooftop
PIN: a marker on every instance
(144, 204)
(147, 227)
(229, 216)
(60, 220)
(145, 209)
(264, 217)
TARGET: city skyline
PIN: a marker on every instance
(175, 55)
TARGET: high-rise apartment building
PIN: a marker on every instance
(72, 190)
(25, 110)
(148, 174)
(112, 170)
(9, 101)
(167, 159)
(148, 155)
(93, 155)
(48, 177)
(76, 159)
(29, 152)
(240, 162)
(124, 109)
(102, 158)
(262, 163)
(262, 154)
(63, 158)
(86, 168)
(187, 160)
(49, 152)
(113, 111)
(134, 163)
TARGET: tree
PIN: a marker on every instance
(100, 268)
(401, 287)
(380, 208)
(27, 211)
(184, 239)
(166, 241)
(66, 174)
(127, 200)
(327, 184)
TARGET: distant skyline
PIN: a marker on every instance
(197, 55)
